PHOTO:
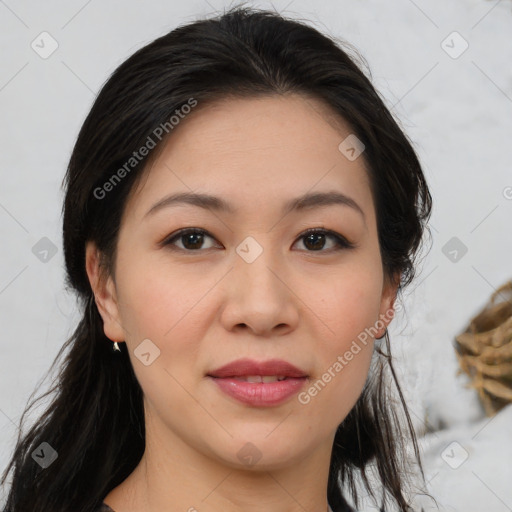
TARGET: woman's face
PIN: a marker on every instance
(254, 285)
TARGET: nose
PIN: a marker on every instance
(259, 296)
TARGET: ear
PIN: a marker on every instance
(387, 302)
(105, 293)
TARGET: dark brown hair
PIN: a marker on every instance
(95, 420)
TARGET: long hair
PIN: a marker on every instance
(95, 419)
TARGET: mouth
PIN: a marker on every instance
(264, 384)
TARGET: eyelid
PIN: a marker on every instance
(345, 243)
(167, 241)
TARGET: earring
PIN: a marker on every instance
(116, 348)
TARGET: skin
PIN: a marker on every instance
(208, 306)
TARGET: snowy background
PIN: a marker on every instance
(444, 68)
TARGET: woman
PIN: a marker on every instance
(241, 213)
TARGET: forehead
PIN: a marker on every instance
(253, 150)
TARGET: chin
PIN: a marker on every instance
(258, 451)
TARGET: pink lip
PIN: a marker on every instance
(258, 393)
(244, 367)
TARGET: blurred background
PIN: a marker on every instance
(444, 70)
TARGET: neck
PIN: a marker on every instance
(172, 476)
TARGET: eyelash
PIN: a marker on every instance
(341, 242)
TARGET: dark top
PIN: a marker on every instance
(105, 508)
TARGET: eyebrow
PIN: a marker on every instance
(304, 202)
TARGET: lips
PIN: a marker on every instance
(248, 368)
(265, 384)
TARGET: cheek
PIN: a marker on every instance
(349, 306)
(344, 355)
(152, 309)
(157, 298)
(169, 307)
(350, 303)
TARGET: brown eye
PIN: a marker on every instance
(191, 239)
(315, 240)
